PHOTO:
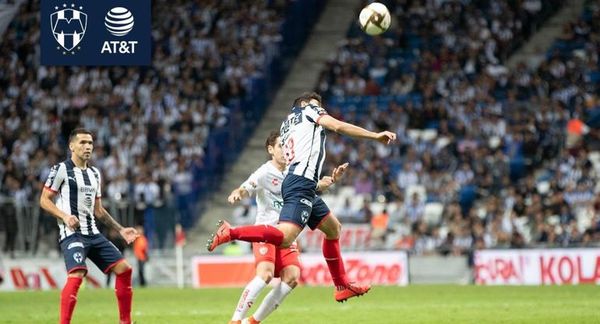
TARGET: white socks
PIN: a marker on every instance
(248, 296)
(273, 299)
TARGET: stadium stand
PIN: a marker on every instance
(482, 161)
(215, 66)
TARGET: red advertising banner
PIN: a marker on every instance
(537, 267)
(378, 268)
(42, 274)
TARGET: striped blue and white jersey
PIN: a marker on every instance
(303, 141)
(77, 191)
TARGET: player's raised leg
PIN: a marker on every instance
(281, 236)
(331, 226)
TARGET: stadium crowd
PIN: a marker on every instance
(152, 124)
(484, 142)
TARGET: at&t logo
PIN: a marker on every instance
(119, 22)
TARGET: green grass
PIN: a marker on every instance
(413, 304)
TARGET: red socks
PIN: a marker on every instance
(333, 256)
(124, 295)
(257, 233)
(68, 299)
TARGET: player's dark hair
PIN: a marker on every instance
(78, 131)
(271, 139)
(307, 96)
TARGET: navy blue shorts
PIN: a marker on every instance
(77, 247)
(301, 205)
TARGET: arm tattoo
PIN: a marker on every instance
(108, 220)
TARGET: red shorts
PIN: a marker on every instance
(265, 252)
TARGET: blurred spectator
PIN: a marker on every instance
(379, 228)
(414, 209)
(146, 192)
(140, 249)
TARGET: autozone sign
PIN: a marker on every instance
(537, 267)
(380, 268)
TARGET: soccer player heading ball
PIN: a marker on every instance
(271, 261)
(303, 141)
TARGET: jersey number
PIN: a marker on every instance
(288, 150)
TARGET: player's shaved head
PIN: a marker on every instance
(271, 139)
(307, 97)
(78, 131)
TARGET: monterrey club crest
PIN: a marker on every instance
(68, 26)
(78, 257)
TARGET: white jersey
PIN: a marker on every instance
(265, 183)
(77, 191)
(303, 141)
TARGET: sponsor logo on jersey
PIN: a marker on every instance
(306, 202)
(74, 245)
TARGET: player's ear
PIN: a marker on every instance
(270, 149)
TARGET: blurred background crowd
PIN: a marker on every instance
(482, 159)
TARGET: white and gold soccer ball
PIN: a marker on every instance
(374, 18)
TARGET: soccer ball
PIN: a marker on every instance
(374, 19)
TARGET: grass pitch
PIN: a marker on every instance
(413, 304)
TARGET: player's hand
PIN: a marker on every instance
(71, 221)
(385, 137)
(235, 196)
(129, 234)
(338, 172)
(325, 183)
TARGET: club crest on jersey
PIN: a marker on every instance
(304, 216)
(78, 257)
(275, 181)
(263, 250)
(68, 26)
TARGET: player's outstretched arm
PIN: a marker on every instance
(237, 195)
(47, 204)
(344, 128)
(128, 233)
